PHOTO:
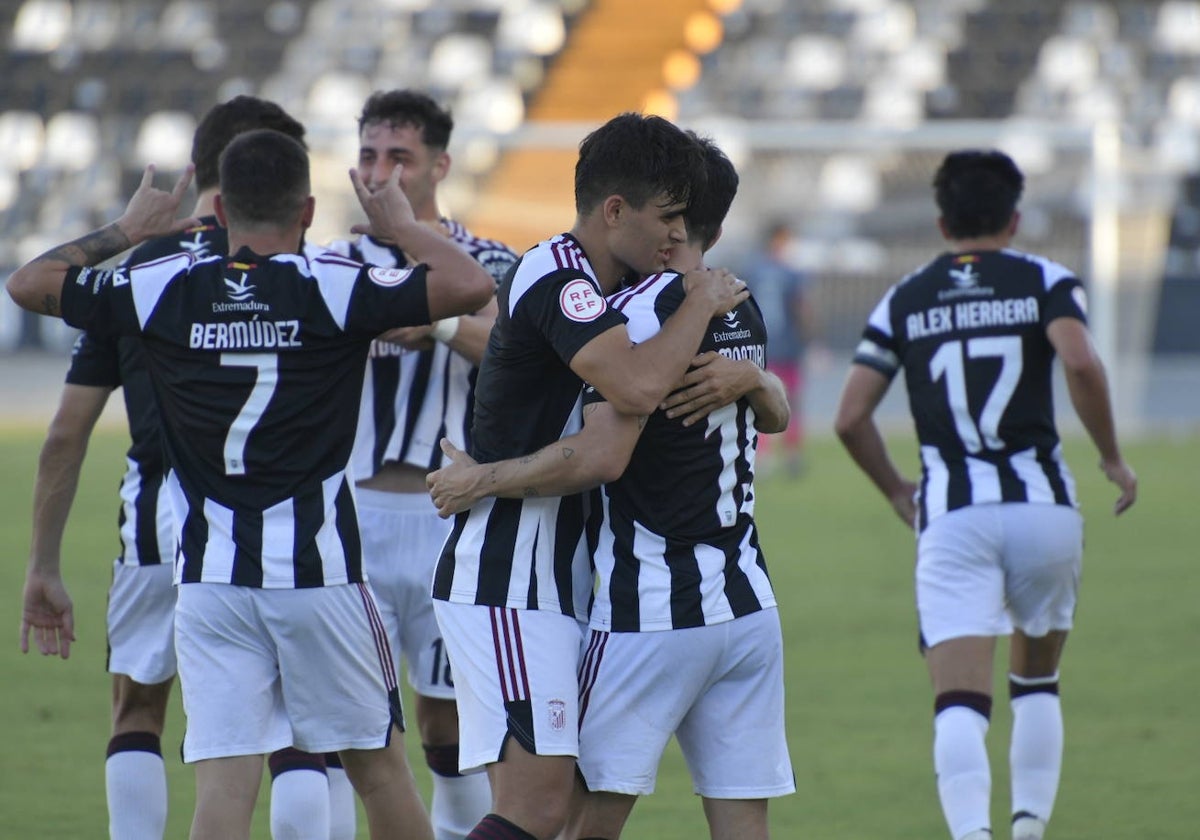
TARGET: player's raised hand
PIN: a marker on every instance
(1120, 474)
(153, 212)
(455, 487)
(718, 286)
(48, 611)
(387, 207)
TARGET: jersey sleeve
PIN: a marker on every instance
(567, 308)
(381, 299)
(879, 347)
(1066, 298)
(95, 362)
(100, 301)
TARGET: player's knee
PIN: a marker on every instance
(976, 701)
(437, 721)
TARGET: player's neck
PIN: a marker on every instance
(609, 272)
(997, 242)
(265, 241)
(204, 202)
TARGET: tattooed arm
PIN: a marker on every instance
(37, 285)
(596, 455)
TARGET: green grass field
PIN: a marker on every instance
(859, 706)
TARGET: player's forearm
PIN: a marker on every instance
(560, 469)
(54, 493)
(1088, 388)
(471, 337)
(770, 403)
(866, 446)
(653, 367)
(37, 285)
(456, 283)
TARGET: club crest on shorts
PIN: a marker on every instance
(558, 715)
(580, 301)
(388, 276)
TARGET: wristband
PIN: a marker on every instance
(445, 329)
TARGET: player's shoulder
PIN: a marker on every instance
(1051, 272)
(200, 241)
(649, 292)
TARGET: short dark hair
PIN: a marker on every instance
(638, 158)
(977, 192)
(409, 107)
(707, 210)
(225, 121)
(264, 179)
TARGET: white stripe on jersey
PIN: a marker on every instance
(131, 488)
(148, 280)
(1037, 486)
(985, 482)
(935, 491)
(558, 254)
(219, 549)
(335, 279)
(329, 543)
(279, 537)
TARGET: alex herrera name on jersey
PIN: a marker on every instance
(973, 314)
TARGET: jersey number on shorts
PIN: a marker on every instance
(441, 665)
(949, 362)
(260, 395)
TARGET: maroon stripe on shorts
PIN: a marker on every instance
(382, 647)
(590, 668)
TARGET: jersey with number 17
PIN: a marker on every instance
(257, 365)
(969, 329)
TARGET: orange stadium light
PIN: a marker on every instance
(661, 103)
(703, 32)
(681, 69)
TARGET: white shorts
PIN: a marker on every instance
(718, 689)
(985, 569)
(402, 537)
(516, 673)
(141, 622)
(263, 669)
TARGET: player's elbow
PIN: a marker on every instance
(608, 465)
(461, 289)
(847, 425)
(631, 398)
(22, 287)
(771, 425)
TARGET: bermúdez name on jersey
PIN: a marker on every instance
(257, 367)
(970, 332)
(530, 553)
(679, 547)
(412, 398)
(145, 522)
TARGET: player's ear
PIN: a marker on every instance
(309, 211)
(716, 238)
(219, 211)
(941, 223)
(1014, 223)
(441, 166)
(612, 208)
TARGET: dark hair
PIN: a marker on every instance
(225, 121)
(264, 179)
(638, 158)
(707, 210)
(409, 107)
(977, 192)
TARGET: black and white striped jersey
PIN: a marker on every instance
(679, 547)
(147, 527)
(530, 553)
(970, 332)
(257, 366)
(414, 398)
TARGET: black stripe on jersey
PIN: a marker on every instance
(416, 399)
(308, 514)
(443, 574)
(568, 526)
(496, 553)
(686, 609)
(623, 583)
(958, 486)
(146, 527)
(193, 537)
(247, 549)
(1054, 475)
(738, 590)
(385, 378)
(1012, 488)
(346, 522)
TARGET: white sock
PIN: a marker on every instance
(135, 783)
(1035, 754)
(459, 803)
(343, 810)
(964, 777)
(300, 806)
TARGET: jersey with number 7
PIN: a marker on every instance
(969, 329)
(257, 366)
